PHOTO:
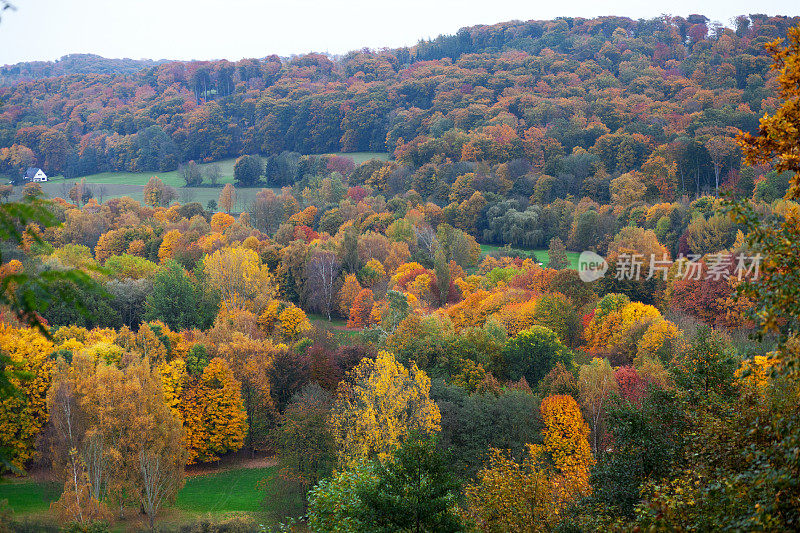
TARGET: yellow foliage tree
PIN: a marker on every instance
(754, 373)
(110, 243)
(511, 496)
(615, 330)
(268, 319)
(23, 415)
(242, 281)
(378, 404)
(347, 294)
(305, 217)
(227, 198)
(565, 439)
(154, 192)
(221, 221)
(168, 245)
(213, 413)
(292, 323)
(517, 317)
(662, 339)
(173, 377)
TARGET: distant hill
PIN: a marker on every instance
(72, 64)
(577, 101)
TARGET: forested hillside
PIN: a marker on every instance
(617, 88)
(81, 64)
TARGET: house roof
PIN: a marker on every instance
(31, 172)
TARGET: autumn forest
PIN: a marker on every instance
(529, 277)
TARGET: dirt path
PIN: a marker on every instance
(214, 468)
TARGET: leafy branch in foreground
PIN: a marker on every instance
(26, 293)
(776, 292)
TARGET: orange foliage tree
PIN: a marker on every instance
(361, 312)
(566, 440)
(348, 293)
(213, 413)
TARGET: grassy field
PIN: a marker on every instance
(108, 185)
(171, 178)
(215, 496)
(25, 497)
(541, 254)
(336, 326)
(225, 492)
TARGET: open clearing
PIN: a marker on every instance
(541, 254)
(215, 495)
(108, 185)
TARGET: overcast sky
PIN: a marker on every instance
(233, 29)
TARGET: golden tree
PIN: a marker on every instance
(23, 415)
(347, 294)
(169, 244)
(292, 323)
(227, 198)
(565, 439)
(213, 413)
(221, 221)
(379, 403)
(511, 496)
(154, 192)
(240, 278)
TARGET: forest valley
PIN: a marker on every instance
(348, 321)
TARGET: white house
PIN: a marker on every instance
(35, 174)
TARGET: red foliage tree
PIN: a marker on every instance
(631, 385)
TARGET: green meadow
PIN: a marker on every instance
(541, 254)
(215, 496)
(108, 185)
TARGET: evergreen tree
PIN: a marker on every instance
(557, 253)
(416, 491)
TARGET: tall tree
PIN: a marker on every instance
(442, 270)
(597, 385)
(723, 151)
(240, 279)
(379, 403)
(154, 192)
(227, 198)
(565, 439)
(248, 170)
(322, 273)
(213, 413)
(512, 496)
(415, 490)
(557, 254)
